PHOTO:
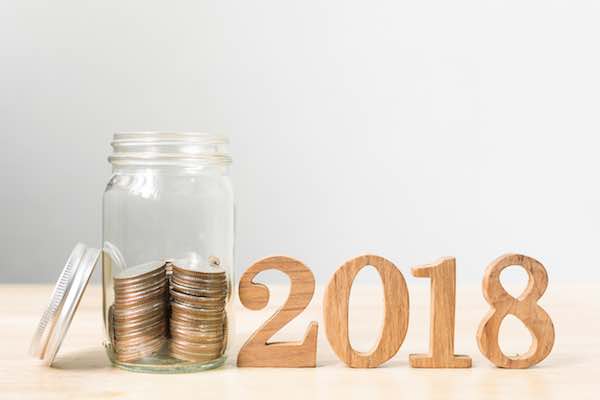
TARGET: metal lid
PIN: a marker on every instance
(65, 298)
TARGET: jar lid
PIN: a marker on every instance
(65, 299)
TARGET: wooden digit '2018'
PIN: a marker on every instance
(395, 321)
(256, 352)
(524, 307)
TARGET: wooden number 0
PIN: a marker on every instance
(525, 308)
(441, 328)
(256, 352)
(335, 312)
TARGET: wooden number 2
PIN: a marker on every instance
(256, 352)
(441, 328)
(335, 312)
(525, 308)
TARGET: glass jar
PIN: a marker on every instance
(168, 236)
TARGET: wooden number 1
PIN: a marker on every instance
(441, 329)
(256, 352)
(335, 312)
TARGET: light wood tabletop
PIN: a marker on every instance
(83, 371)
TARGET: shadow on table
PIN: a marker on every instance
(82, 360)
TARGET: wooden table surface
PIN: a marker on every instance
(82, 370)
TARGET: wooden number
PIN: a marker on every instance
(335, 312)
(441, 328)
(256, 352)
(525, 308)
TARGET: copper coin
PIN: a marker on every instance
(140, 299)
(176, 336)
(140, 342)
(196, 347)
(125, 313)
(192, 284)
(199, 312)
(142, 323)
(211, 293)
(193, 357)
(190, 323)
(183, 298)
(137, 352)
(196, 324)
(206, 273)
(133, 290)
(151, 344)
(198, 327)
(217, 307)
(139, 273)
(147, 330)
(144, 318)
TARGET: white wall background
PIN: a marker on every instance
(412, 129)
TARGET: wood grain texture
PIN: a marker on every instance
(524, 307)
(395, 322)
(441, 327)
(257, 351)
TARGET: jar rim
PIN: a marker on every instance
(169, 148)
(135, 137)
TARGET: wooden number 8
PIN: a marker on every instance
(525, 308)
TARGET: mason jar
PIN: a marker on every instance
(167, 259)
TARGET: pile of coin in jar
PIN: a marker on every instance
(198, 323)
(139, 314)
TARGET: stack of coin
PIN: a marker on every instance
(198, 322)
(139, 314)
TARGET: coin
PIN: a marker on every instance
(140, 298)
(140, 272)
(199, 290)
(199, 273)
(193, 357)
(135, 352)
(140, 288)
(140, 311)
(200, 301)
(198, 312)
